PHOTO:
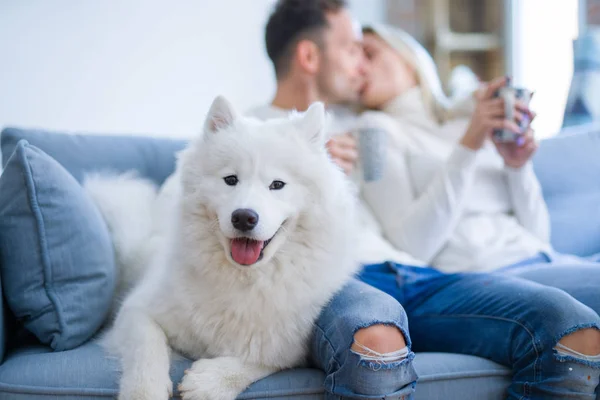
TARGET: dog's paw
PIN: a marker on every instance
(213, 379)
(148, 389)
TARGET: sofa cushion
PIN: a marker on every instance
(152, 158)
(568, 168)
(86, 373)
(56, 257)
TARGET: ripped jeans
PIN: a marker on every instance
(368, 374)
(514, 317)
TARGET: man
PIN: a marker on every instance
(361, 339)
(317, 64)
(317, 54)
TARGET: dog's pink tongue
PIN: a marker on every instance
(245, 251)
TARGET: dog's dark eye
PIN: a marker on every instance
(276, 185)
(231, 180)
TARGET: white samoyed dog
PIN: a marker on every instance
(251, 237)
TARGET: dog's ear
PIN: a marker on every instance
(220, 116)
(312, 124)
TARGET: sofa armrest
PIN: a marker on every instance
(587, 128)
(568, 168)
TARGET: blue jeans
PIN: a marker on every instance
(350, 375)
(514, 317)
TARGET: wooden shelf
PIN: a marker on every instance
(453, 41)
(456, 32)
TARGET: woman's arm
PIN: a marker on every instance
(528, 201)
(526, 193)
(420, 225)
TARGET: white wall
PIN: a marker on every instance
(135, 66)
(368, 11)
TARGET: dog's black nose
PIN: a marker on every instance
(244, 219)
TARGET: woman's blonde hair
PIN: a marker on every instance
(441, 107)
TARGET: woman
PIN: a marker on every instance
(462, 203)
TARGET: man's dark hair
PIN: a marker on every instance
(293, 21)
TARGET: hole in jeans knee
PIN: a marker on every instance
(582, 342)
(380, 343)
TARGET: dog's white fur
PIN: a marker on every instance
(240, 323)
(127, 204)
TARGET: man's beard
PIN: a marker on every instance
(334, 90)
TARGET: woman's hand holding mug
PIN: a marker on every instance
(490, 115)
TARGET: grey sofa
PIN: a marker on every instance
(568, 167)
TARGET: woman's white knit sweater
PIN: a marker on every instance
(455, 208)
